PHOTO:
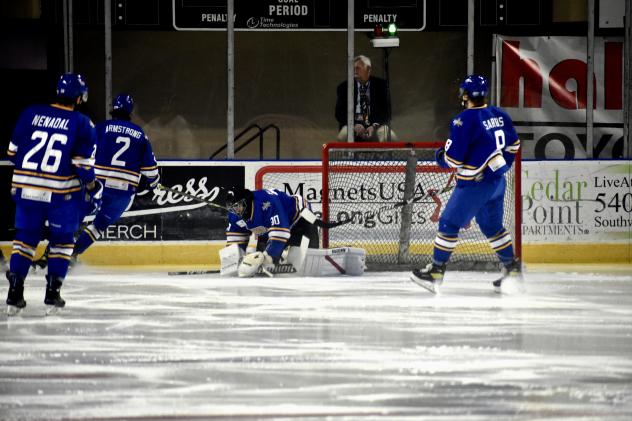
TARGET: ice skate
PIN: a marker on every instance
(511, 279)
(54, 302)
(15, 297)
(430, 277)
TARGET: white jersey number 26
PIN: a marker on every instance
(51, 153)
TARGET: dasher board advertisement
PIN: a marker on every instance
(158, 215)
(563, 202)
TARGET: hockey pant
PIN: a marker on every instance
(483, 201)
(113, 206)
(30, 225)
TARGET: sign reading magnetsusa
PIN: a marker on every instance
(298, 15)
(160, 215)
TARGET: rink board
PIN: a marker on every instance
(206, 253)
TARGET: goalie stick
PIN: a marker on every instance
(192, 272)
(318, 222)
(280, 268)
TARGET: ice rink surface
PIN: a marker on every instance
(148, 346)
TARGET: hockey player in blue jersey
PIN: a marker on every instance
(482, 147)
(124, 163)
(52, 148)
(274, 216)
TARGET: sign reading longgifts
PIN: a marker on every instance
(542, 85)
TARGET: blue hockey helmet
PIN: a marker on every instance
(475, 86)
(72, 86)
(123, 102)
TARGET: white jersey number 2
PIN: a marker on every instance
(115, 158)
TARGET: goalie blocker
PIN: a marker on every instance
(297, 261)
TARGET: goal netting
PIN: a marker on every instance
(366, 183)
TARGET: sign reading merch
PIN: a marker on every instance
(159, 215)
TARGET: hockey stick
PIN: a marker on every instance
(280, 268)
(310, 217)
(192, 272)
(429, 194)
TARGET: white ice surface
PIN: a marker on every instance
(147, 346)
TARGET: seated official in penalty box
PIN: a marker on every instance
(287, 238)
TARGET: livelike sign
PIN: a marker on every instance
(542, 85)
(298, 15)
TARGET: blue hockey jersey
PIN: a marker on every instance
(52, 148)
(273, 214)
(482, 144)
(123, 154)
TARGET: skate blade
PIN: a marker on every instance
(427, 285)
(52, 310)
(13, 310)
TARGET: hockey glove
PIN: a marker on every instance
(145, 184)
(440, 158)
(93, 197)
(252, 262)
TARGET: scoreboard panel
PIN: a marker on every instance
(298, 15)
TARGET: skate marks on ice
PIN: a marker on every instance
(137, 346)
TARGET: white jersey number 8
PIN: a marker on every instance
(500, 139)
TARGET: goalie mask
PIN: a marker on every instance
(239, 201)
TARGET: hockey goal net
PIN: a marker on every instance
(366, 183)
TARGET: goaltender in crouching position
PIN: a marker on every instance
(287, 237)
(482, 147)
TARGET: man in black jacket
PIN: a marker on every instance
(372, 105)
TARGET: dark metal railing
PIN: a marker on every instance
(260, 131)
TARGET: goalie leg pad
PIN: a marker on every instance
(230, 258)
(335, 262)
(355, 261)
